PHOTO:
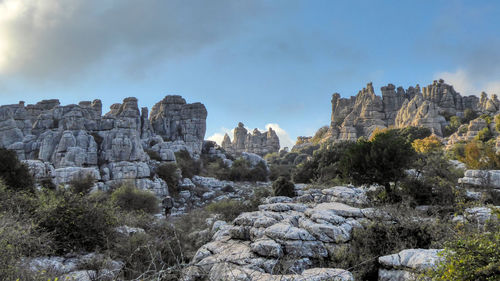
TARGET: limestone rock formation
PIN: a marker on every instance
(407, 264)
(64, 143)
(255, 142)
(430, 107)
(173, 119)
(305, 230)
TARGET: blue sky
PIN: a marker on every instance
(258, 62)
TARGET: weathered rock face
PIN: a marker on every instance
(407, 264)
(174, 120)
(360, 115)
(256, 142)
(64, 143)
(302, 230)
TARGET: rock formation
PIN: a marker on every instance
(255, 142)
(63, 143)
(430, 107)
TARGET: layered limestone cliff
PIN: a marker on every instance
(430, 107)
(63, 143)
(255, 142)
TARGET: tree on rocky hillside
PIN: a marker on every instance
(381, 160)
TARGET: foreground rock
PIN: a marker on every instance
(257, 244)
(407, 264)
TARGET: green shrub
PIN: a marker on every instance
(19, 239)
(187, 164)
(168, 173)
(241, 170)
(471, 256)
(283, 187)
(82, 185)
(382, 160)
(484, 135)
(277, 171)
(153, 155)
(228, 209)
(469, 115)
(379, 238)
(14, 173)
(130, 198)
(75, 223)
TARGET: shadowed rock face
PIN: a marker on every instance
(71, 141)
(175, 120)
(360, 115)
(255, 142)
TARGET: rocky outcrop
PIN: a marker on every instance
(255, 142)
(175, 120)
(481, 178)
(64, 143)
(360, 115)
(302, 231)
(407, 264)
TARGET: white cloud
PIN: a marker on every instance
(218, 137)
(285, 139)
(463, 83)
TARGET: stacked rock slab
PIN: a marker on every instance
(360, 115)
(64, 143)
(303, 231)
(255, 142)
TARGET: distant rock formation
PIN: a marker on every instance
(256, 142)
(430, 107)
(63, 143)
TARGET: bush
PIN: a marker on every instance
(130, 198)
(484, 135)
(241, 170)
(379, 238)
(477, 155)
(228, 209)
(19, 239)
(153, 155)
(323, 166)
(469, 115)
(82, 185)
(471, 256)
(168, 173)
(14, 173)
(428, 144)
(75, 223)
(187, 164)
(277, 170)
(283, 187)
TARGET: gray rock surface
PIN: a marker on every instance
(303, 234)
(407, 264)
(65, 143)
(358, 116)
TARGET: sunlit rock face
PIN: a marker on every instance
(77, 140)
(257, 142)
(430, 107)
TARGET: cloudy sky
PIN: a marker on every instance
(264, 63)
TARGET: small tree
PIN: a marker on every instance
(82, 185)
(14, 173)
(283, 187)
(382, 160)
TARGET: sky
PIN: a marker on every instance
(261, 62)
